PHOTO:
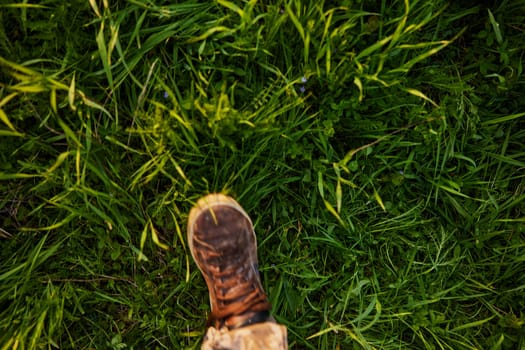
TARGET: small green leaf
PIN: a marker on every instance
(320, 185)
(338, 195)
(379, 200)
(71, 94)
(495, 27)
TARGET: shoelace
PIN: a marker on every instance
(226, 257)
(237, 292)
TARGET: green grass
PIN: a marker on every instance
(379, 147)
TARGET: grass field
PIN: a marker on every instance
(379, 147)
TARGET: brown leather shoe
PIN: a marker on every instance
(223, 244)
